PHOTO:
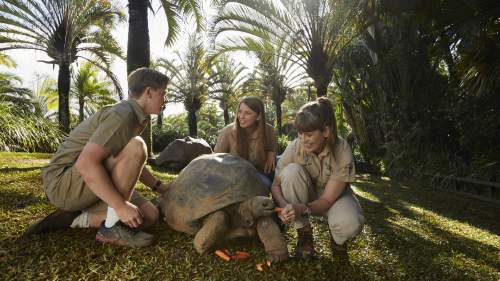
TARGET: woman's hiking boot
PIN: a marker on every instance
(305, 243)
(122, 235)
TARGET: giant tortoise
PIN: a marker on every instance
(220, 196)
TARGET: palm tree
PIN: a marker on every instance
(227, 81)
(6, 60)
(189, 74)
(66, 30)
(138, 50)
(314, 31)
(90, 93)
(279, 75)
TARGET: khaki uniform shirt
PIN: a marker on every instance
(226, 143)
(323, 166)
(112, 127)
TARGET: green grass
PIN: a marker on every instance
(412, 233)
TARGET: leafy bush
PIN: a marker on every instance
(174, 127)
(28, 133)
(282, 143)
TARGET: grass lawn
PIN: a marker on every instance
(412, 233)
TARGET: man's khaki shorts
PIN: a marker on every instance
(65, 188)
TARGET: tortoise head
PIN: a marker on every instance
(254, 208)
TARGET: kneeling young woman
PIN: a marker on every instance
(313, 177)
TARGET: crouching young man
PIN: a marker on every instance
(91, 177)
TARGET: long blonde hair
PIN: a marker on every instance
(240, 135)
(318, 115)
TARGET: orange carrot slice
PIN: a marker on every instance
(240, 255)
(259, 267)
(223, 255)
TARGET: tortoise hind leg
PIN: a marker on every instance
(215, 226)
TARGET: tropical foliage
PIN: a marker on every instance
(313, 31)
(65, 30)
(190, 79)
(89, 91)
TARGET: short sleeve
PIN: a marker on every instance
(344, 169)
(287, 157)
(222, 144)
(113, 132)
(271, 141)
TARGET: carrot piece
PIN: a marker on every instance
(278, 209)
(240, 255)
(259, 267)
(222, 255)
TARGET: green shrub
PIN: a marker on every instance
(28, 133)
(282, 143)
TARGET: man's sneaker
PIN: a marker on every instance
(59, 219)
(305, 243)
(122, 235)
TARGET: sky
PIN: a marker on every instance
(31, 71)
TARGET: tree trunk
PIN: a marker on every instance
(138, 50)
(81, 105)
(159, 121)
(278, 119)
(226, 116)
(138, 35)
(192, 124)
(321, 89)
(63, 84)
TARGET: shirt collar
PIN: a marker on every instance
(325, 152)
(139, 112)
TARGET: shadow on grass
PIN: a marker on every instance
(423, 241)
(11, 200)
(480, 214)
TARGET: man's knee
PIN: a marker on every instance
(136, 148)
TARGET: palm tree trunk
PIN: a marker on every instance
(321, 89)
(138, 35)
(81, 105)
(278, 118)
(63, 84)
(138, 51)
(159, 122)
(192, 124)
(226, 116)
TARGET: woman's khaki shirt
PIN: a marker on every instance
(226, 142)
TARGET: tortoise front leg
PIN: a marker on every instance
(272, 238)
(215, 226)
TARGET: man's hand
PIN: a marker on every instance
(163, 187)
(129, 214)
(270, 162)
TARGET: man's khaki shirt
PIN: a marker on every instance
(226, 143)
(112, 127)
(322, 167)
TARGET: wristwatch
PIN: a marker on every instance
(156, 185)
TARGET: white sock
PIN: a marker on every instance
(111, 218)
(82, 221)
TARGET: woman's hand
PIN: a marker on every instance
(270, 162)
(291, 212)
